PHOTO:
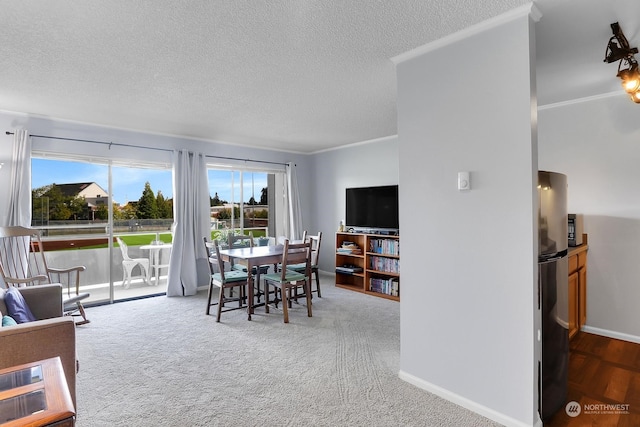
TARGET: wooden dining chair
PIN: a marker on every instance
(233, 279)
(287, 280)
(315, 241)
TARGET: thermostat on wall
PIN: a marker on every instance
(464, 182)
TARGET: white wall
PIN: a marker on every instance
(468, 258)
(596, 143)
(362, 165)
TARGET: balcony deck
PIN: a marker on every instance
(137, 289)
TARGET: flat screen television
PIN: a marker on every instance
(374, 208)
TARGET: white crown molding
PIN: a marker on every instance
(527, 10)
(581, 100)
(354, 144)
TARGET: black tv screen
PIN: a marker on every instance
(372, 207)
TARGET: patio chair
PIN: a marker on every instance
(23, 263)
(128, 264)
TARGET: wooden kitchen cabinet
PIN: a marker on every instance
(578, 287)
(573, 304)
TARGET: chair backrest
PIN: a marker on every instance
(238, 240)
(315, 247)
(212, 254)
(263, 241)
(215, 260)
(124, 249)
(22, 260)
(296, 253)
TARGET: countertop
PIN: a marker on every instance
(574, 250)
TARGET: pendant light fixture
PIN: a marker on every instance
(618, 50)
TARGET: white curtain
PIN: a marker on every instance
(293, 200)
(20, 186)
(191, 221)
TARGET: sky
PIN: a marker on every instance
(128, 183)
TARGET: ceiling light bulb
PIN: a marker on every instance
(635, 97)
(630, 79)
(631, 85)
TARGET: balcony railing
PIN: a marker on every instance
(66, 249)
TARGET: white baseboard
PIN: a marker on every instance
(612, 334)
(466, 403)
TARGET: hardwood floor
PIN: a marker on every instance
(604, 378)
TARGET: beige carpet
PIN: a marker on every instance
(163, 362)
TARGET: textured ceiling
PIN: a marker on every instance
(296, 75)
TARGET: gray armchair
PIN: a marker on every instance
(53, 334)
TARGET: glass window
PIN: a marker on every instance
(240, 202)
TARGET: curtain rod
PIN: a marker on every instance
(246, 160)
(149, 148)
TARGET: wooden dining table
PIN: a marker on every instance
(253, 257)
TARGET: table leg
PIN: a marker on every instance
(250, 291)
(158, 255)
(258, 283)
(154, 263)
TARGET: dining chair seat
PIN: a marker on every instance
(290, 276)
(254, 269)
(296, 267)
(230, 276)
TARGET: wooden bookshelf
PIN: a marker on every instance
(374, 269)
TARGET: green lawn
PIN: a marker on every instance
(145, 239)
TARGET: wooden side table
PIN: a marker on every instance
(35, 394)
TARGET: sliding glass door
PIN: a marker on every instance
(142, 230)
(86, 209)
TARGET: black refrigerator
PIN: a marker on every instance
(553, 292)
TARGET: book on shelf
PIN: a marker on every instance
(385, 246)
(349, 248)
(385, 286)
(388, 265)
